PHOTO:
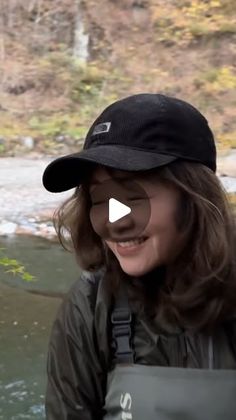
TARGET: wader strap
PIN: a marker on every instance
(121, 319)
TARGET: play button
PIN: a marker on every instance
(117, 210)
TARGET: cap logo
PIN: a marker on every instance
(101, 128)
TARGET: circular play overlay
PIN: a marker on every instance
(120, 209)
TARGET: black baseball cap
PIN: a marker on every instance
(137, 133)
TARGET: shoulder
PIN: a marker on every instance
(76, 365)
(85, 306)
(84, 290)
(76, 313)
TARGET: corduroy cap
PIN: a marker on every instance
(137, 133)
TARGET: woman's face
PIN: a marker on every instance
(164, 242)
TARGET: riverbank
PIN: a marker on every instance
(27, 208)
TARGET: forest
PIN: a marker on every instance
(62, 61)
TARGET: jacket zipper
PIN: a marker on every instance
(210, 353)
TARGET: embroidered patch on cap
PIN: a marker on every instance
(101, 128)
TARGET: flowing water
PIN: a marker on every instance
(26, 318)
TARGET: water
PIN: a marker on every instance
(25, 323)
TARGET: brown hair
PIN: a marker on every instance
(199, 287)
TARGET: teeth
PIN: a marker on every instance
(131, 243)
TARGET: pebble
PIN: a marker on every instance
(44, 230)
(45, 214)
(226, 165)
(60, 139)
(28, 142)
(25, 230)
(229, 183)
(7, 228)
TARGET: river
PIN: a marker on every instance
(25, 323)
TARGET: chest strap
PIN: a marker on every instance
(121, 321)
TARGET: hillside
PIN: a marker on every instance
(63, 61)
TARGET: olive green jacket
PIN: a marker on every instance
(79, 355)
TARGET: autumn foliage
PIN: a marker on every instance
(181, 48)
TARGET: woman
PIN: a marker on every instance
(149, 329)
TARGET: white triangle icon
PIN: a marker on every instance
(117, 210)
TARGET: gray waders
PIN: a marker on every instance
(141, 392)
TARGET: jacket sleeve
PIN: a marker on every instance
(75, 379)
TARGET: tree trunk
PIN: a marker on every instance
(81, 39)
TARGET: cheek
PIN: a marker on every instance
(167, 239)
(163, 217)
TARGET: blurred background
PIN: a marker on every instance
(61, 63)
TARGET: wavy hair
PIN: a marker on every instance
(198, 289)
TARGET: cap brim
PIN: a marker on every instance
(69, 171)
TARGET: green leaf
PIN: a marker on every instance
(15, 268)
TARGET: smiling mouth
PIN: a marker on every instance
(129, 247)
(129, 239)
(130, 244)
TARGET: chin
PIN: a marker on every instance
(134, 271)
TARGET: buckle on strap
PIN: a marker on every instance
(121, 316)
(121, 334)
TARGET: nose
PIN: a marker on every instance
(121, 228)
